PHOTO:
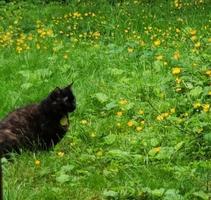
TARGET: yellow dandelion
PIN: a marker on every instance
(130, 123)
(119, 114)
(177, 30)
(196, 105)
(99, 153)
(193, 38)
(160, 118)
(130, 50)
(157, 149)
(209, 93)
(159, 57)
(123, 102)
(141, 112)
(209, 40)
(83, 121)
(176, 55)
(208, 72)
(206, 107)
(178, 80)
(193, 32)
(172, 110)
(176, 70)
(197, 44)
(65, 56)
(157, 42)
(37, 162)
(60, 154)
(178, 89)
(118, 124)
(139, 128)
(142, 122)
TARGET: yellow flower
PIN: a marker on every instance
(123, 102)
(139, 128)
(83, 121)
(119, 114)
(176, 55)
(206, 107)
(209, 93)
(118, 124)
(37, 162)
(141, 112)
(160, 117)
(177, 30)
(176, 70)
(130, 123)
(193, 32)
(130, 50)
(197, 105)
(65, 56)
(197, 45)
(193, 38)
(178, 89)
(157, 42)
(209, 40)
(208, 72)
(60, 154)
(173, 110)
(178, 80)
(159, 57)
(157, 149)
(99, 153)
(142, 122)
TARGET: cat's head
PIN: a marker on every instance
(60, 101)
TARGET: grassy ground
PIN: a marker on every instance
(141, 76)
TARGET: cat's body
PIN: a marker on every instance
(37, 126)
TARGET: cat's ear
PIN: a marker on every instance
(55, 93)
(69, 86)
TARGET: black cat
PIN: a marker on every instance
(38, 126)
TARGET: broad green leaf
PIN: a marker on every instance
(110, 106)
(207, 137)
(62, 178)
(195, 92)
(101, 97)
(158, 192)
(201, 195)
(110, 193)
(109, 139)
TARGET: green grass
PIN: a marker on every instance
(141, 72)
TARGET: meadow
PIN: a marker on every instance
(142, 79)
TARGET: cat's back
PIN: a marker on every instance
(20, 116)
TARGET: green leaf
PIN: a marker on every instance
(201, 195)
(196, 92)
(101, 97)
(110, 105)
(110, 139)
(207, 137)
(158, 192)
(63, 178)
(172, 194)
(110, 193)
(179, 145)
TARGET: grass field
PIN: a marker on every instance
(142, 79)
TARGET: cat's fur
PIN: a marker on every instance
(37, 126)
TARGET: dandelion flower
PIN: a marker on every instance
(37, 162)
(208, 72)
(123, 102)
(176, 70)
(130, 123)
(60, 154)
(83, 121)
(197, 45)
(139, 128)
(157, 43)
(206, 107)
(119, 114)
(196, 105)
(130, 50)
